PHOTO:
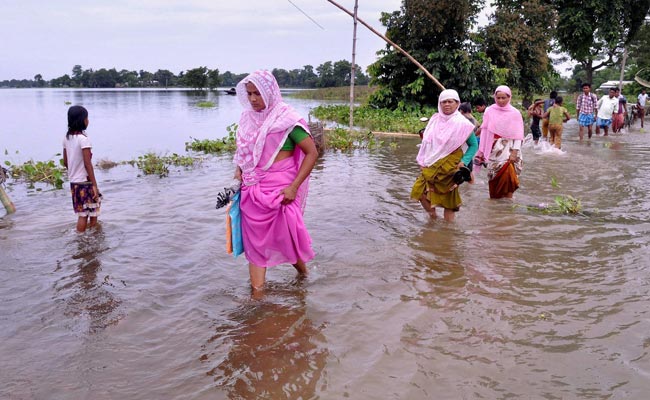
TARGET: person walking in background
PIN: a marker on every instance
(606, 105)
(556, 115)
(535, 112)
(77, 159)
(586, 110)
(275, 156)
(500, 147)
(480, 105)
(448, 145)
(547, 104)
(641, 100)
(618, 118)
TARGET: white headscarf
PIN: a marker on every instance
(444, 133)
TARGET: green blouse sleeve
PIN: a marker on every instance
(297, 135)
(472, 148)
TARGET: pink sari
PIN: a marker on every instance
(272, 233)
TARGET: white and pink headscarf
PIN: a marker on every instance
(505, 121)
(444, 133)
(261, 134)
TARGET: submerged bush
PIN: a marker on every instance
(209, 146)
(343, 139)
(374, 119)
(48, 172)
(154, 164)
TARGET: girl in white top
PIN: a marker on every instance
(77, 158)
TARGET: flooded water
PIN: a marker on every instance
(505, 303)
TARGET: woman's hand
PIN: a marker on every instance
(289, 193)
(514, 155)
(460, 165)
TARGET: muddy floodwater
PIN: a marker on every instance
(507, 302)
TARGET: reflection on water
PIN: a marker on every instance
(274, 351)
(83, 288)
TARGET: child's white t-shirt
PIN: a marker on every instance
(74, 145)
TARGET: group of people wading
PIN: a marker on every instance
(276, 154)
(449, 144)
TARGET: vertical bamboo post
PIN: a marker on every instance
(353, 72)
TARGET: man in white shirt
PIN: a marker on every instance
(607, 106)
(640, 105)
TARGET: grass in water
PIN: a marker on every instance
(154, 164)
(48, 172)
(210, 146)
(205, 104)
(378, 120)
(343, 139)
(562, 204)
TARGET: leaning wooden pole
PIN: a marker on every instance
(413, 60)
(6, 201)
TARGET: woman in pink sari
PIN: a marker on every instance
(502, 134)
(275, 155)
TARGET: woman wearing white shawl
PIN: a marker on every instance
(448, 144)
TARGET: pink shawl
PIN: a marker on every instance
(506, 122)
(444, 133)
(261, 134)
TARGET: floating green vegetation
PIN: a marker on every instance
(343, 139)
(209, 146)
(205, 104)
(67, 103)
(374, 119)
(48, 172)
(563, 204)
(154, 164)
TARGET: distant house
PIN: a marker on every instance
(612, 84)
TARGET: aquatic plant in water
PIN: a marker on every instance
(38, 171)
(154, 164)
(344, 139)
(205, 104)
(210, 146)
(562, 204)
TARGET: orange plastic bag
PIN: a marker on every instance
(228, 230)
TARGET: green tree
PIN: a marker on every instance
(77, 72)
(436, 33)
(164, 77)
(214, 80)
(518, 40)
(196, 78)
(326, 75)
(39, 80)
(146, 78)
(594, 33)
(129, 78)
(282, 76)
(62, 81)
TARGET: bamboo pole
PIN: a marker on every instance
(413, 60)
(354, 69)
(620, 80)
(6, 201)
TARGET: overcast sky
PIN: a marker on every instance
(49, 37)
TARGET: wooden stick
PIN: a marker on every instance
(413, 60)
(6, 201)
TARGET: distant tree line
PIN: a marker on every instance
(328, 74)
